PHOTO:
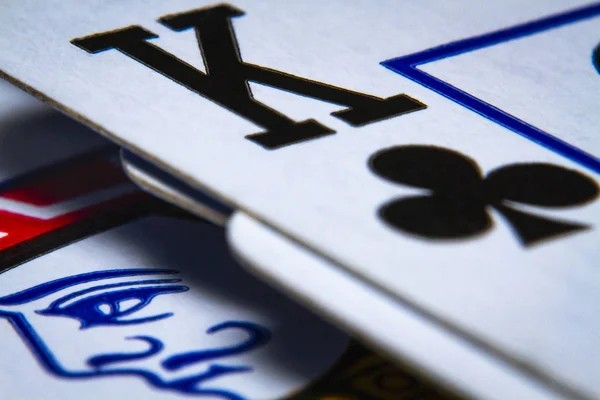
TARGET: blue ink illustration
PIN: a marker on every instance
(109, 308)
(407, 66)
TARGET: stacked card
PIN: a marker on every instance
(425, 177)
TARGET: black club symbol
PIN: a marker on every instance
(456, 206)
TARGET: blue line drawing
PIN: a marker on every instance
(45, 289)
(88, 311)
(407, 66)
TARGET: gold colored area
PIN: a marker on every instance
(336, 397)
(360, 374)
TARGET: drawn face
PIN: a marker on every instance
(207, 330)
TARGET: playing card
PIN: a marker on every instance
(376, 318)
(446, 186)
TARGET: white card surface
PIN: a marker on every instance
(526, 287)
(375, 318)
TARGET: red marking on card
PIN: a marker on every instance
(87, 178)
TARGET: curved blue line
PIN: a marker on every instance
(188, 385)
(82, 309)
(32, 340)
(257, 336)
(56, 303)
(47, 288)
(103, 359)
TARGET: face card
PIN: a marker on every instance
(158, 310)
(445, 185)
(152, 326)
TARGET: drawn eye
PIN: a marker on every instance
(109, 307)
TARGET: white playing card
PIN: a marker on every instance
(397, 331)
(397, 195)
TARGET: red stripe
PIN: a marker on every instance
(90, 177)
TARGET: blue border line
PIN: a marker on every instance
(407, 66)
